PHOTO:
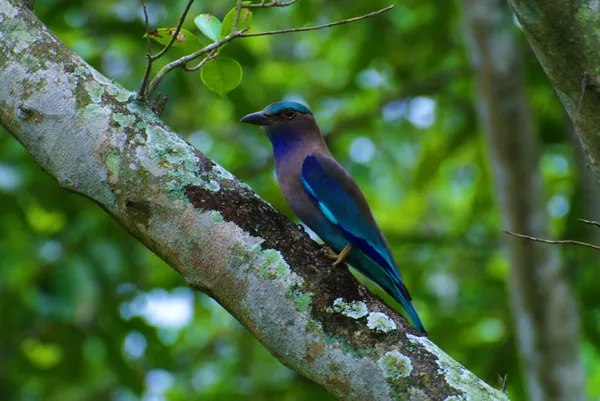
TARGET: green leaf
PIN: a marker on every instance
(209, 25)
(184, 38)
(243, 22)
(221, 75)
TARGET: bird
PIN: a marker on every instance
(327, 199)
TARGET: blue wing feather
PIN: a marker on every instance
(341, 210)
(359, 229)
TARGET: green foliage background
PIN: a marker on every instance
(84, 309)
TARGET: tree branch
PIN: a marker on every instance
(236, 18)
(554, 242)
(211, 56)
(314, 28)
(560, 242)
(96, 140)
(240, 34)
(590, 222)
(144, 84)
(186, 59)
(274, 3)
(152, 58)
(174, 36)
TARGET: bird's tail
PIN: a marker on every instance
(390, 284)
(398, 294)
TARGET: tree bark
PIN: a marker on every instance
(96, 140)
(588, 187)
(564, 36)
(546, 318)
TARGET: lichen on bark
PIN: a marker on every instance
(213, 229)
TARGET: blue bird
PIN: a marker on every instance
(327, 199)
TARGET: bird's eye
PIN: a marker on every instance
(289, 113)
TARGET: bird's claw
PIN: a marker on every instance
(339, 258)
(328, 252)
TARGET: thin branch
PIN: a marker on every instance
(274, 3)
(211, 56)
(175, 34)
(151, 58)
(313, 28)
(555, 242)
(502, 381)
(142, 91)
(236, 18)
(183, 60)
(159, 102)
(590, 222)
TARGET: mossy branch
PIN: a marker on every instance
(100, 142)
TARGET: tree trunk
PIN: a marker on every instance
(589, 189)
(546, 319)
(564, 37)
(96, 140)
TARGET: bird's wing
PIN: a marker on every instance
(341, 201)
(339, 198)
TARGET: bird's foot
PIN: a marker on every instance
(339, 258)
(328, 252)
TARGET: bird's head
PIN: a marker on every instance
(286, 123)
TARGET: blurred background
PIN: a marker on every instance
(438, 109)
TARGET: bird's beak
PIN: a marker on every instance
(258, 118)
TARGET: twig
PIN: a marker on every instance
(175, 34)
(142, 91)
(502, 381)
(185, 59)
(236, 18)
(590, 222)
(556, 242)
(273, 3)
(151, 58)
(159, 102)
(181, 62)
(211, 56)
(313, 28)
